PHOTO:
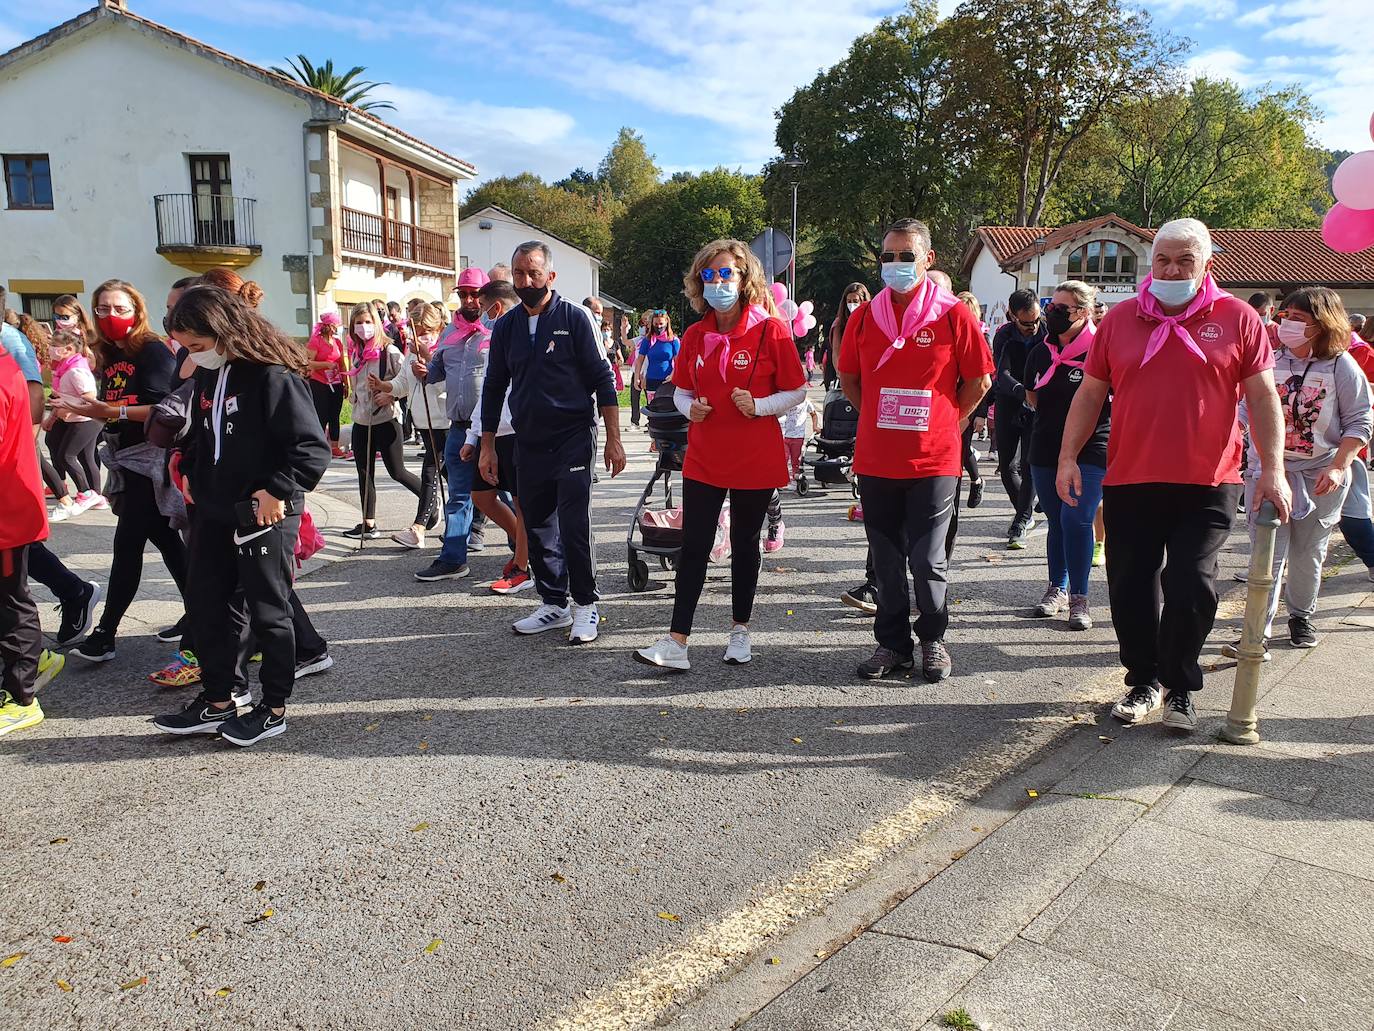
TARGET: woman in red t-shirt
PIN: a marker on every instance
(737, 371)
(328, 366)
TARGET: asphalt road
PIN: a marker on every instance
(463, 828)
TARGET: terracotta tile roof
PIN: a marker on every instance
(280, 81)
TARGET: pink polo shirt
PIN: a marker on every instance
(1174, 421)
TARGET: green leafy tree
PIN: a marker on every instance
(656, 237)
(346, 87)
(826, 264)
(580, 219)
(628, 171)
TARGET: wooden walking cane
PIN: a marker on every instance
(1242, 724)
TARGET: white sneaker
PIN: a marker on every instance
(546, 617)
(409, 538)
(1138, 703)
(737, 651)
(664, 652)
(242, 700)
(85, 501)
(585, 620)
(62, 513)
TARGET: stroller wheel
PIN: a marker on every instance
(667, 563)
(639, 575)
(803, 486)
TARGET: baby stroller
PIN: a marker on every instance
(659, 531)
(834, 449)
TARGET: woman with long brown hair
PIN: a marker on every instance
(851, 297)
(253, 449)
(134, 371)
(70, 314)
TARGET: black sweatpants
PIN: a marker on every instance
(701, 504)
(907, 523)
(555, 490)
(72, 447)
(1162, 545)
(47, 569)
(51, 479)
(368, 441)
(140, 523)
(226, 619)
(1013, 454)
(328, 400)
(431, 469)
(21, 633)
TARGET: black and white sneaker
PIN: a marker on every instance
(173, 633)
(864, 598)
(78, 615)
(99, 646)
(975, 493)
(1179, 713)
(1138, 703)
(253, 726)
(363, 532)
(1301, 632)
(312, 664)
(200, 717)
(438, 570)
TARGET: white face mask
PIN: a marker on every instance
(851, 306)
(1292, 333)
(1174, 293)
(213, 359)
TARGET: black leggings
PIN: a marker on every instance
(328, 404)
(701, 504)
(140, 523)
(431, 470)
(367, 442)
(970, 453)
(51, 480)
(72, 446)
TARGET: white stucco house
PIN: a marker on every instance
(490, 235)
(1114, 255)
(197, 159)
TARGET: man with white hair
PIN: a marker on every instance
(1176, 358)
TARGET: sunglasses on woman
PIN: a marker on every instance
(709, 275)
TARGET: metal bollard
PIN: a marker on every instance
(1242, 725)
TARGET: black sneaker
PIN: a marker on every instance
(312, 664)
(363, 533)
(200, 717)
(253, 726)
(99, 646)
(173, 633)
(1301, 632)
(882, 662)
(477, 540)
(975, 493)
(437, 570)
(864, 598)
(1017, 536)
(935, 661)
(78, 614)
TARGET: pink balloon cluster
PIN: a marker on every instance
(1349, 225)
(798, 316)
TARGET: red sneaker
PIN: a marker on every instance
(517, 581)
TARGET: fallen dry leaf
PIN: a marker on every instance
(63, 985)
(223, 992)
(1032, 793)
(423, 746)
(267, 914)
(198, 930)
(10, 961)
(665, 915)
(773, 961)
(423, 825)
(260, 885)
(557, 878)
(426, 718)
(371, 727)
(137, 982)
(434, 944)
(994, 557)
(796, 740)
(58, 841)
(62, 938)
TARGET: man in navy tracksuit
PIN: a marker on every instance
(546, 351)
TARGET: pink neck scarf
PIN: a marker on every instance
(66, 365)
(1071, 356)
(752, 316)
(370, 353)
(1147, 305)
(928, 302)
(463, 331)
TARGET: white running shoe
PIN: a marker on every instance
(737, 651)
(1138, 703)
(546, 617)
(585, 620)
(62, 513)
(664, 652)
(85, 501)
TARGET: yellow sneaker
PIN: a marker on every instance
(14, 716)
(49, 665)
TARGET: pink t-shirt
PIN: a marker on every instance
(1174, 421)
(323, 349)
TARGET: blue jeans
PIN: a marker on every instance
(458, 508)
(1069, 547)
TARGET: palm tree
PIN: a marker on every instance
(344, 87)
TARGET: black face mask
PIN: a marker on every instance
(471, 314)
(1058, 322)
(532, 296)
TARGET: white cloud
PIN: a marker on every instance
(1205, 10)
(1259, 16)
(1222, 63)
(1342, 81)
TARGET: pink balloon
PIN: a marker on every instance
(1348, 229)
(779, 292)
(1353, 183)
(1371, 127)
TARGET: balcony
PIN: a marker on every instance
(198, 231)
(392, 242)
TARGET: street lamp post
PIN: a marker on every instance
(795, 164)
(1039, 254)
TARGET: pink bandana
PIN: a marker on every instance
(370, 354)
(67, 364)
(1147, 305)
(463, 331)
(928, 302)
(752, 316)
(1071, 356)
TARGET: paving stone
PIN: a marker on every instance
(1141, 763)
(1031, 988)
(1334, 909)
(1306, 694)
(1263, 772)
(877, 982)
(1347, 743)
(1192, 1017)
(1280, 828)
(1240, 966)
(983, 901)
(1219, 875)
(1057, 911)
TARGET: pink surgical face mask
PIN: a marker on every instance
(366, 330)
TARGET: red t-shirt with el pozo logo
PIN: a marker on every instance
(909, 415)
(1174, 421)
(727, 449)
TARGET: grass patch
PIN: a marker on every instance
(960, 1020)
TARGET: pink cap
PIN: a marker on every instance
(472, 277)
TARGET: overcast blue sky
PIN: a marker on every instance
(545, 86)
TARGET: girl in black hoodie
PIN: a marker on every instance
(253, 450)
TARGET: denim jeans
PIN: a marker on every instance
(458, 508)
(1069, 546)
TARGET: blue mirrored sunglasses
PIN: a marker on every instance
(708, 275)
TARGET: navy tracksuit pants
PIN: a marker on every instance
(555, 488)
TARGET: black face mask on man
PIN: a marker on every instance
(532, 296)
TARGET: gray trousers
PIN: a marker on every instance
(1300, 552)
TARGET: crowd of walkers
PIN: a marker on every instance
(1138, 434)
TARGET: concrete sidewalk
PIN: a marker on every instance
(1140, 880)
